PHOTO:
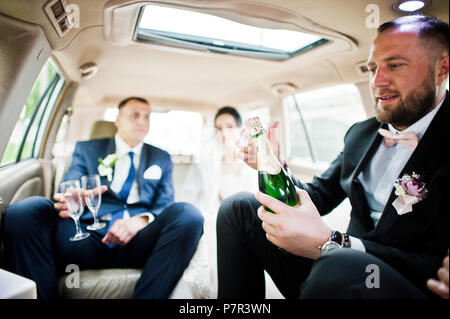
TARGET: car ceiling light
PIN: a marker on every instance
(88, 70)
(411, 6)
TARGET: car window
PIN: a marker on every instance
(165, 128)
(27, 136)
(318, 120)
(201, 31)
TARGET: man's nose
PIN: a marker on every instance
(381, 78)
(142, 121)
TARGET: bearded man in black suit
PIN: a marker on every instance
(394, 173)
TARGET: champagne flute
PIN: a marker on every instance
(72, 194)
(93, 196)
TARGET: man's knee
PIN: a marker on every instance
(25, 214)
(339, 274)
(234, 204)
(187, 216)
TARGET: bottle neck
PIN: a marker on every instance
(265, 158)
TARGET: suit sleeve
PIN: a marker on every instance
(78, 166)
(325, 189)
(165, 195)
(416, 266)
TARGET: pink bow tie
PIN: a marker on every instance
(409, 139)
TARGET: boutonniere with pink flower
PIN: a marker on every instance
(410, 190)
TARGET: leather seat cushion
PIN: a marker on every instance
(100, 284)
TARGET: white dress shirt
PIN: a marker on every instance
(379, 176)
(122, 167)
(121, 170)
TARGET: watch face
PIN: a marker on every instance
(329, 246)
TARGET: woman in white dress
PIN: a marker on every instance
(222, 174)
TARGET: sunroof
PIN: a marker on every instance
(194, 30)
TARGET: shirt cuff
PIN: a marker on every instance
(357, 244)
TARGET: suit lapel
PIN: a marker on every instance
(358, 197)
(143, 163)
(373, 141)
(110, 149)
(424, 161)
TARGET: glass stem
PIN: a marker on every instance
(77, 225)
(94, 213)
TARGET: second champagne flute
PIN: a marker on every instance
(93, 196)
(72, 195)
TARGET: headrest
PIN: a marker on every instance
(102, 129)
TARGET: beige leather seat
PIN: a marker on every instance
(117, 283)
(102, 129)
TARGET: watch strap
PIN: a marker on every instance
(346, 243)
(337, 237)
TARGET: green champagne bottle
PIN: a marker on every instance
(273, 179)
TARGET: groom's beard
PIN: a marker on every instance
(413, 107)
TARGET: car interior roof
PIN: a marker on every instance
(186, 79)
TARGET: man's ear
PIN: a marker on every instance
(442, 70)
(117, 120)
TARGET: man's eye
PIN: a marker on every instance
(395, 66)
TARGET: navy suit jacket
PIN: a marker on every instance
(155, 195)
(414, 243)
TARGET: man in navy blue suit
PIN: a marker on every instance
(146, 228)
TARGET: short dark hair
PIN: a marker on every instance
(229, 110)
(125, 101)
(430, 29)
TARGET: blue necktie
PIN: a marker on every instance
(123, 194)
(129, 181)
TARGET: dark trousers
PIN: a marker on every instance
(243, 253)
(37, 246)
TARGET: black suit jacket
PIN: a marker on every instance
(414, 243)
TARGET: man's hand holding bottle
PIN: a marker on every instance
(248, 153)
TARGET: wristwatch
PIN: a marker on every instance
(337, 240)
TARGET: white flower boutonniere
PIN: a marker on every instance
(105, 168)
(410, 190)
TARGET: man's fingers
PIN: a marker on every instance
(265, 216)
(438, 288)
(60, 206)
(443, 275)
(272, 203)
(303, 195)
(273, 239)
(59, 197)
(268, 228)
(274, 124)
(64, 214)
(119, 233)
(110, 238)
(249, 159)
